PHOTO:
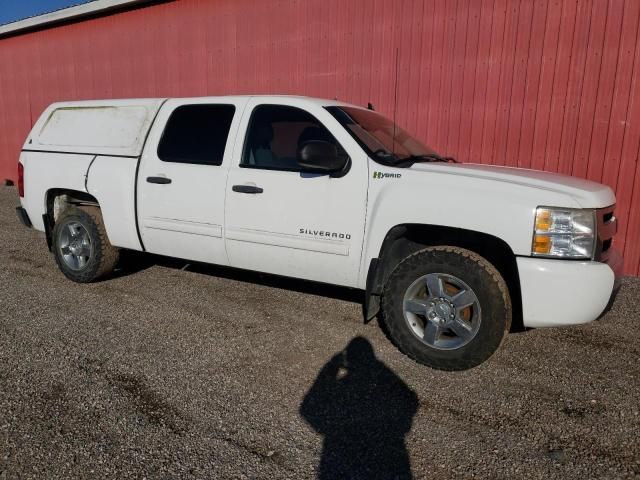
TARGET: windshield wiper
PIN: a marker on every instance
(431, 157)
(388, 158)
(427, 157)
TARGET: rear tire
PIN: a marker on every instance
(81, 246)
(427, 321)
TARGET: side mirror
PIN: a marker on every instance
(320, 156)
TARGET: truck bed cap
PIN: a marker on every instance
(104, 127)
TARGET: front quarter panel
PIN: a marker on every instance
(404, 196)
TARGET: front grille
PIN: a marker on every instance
(607, 228)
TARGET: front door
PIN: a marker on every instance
(283, 220)
(181, 184)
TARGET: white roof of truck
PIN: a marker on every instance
(117, 127)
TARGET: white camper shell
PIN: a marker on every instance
(114, 128)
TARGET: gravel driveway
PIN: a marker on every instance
(173, 370)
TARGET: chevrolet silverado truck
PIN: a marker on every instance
(450, 256)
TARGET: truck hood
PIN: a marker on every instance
(586, 193)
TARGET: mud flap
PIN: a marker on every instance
(371, 306)
(48, 229)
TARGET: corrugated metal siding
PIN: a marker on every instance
(550, 84)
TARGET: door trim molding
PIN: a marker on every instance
(183, 226)
(298, 242)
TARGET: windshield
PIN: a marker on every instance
(383, 140)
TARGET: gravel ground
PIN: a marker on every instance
(201, 372)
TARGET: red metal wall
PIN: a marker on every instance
(547, 84)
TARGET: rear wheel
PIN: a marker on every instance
(446, 307)
(81, 247)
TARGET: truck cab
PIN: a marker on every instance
(450, 255)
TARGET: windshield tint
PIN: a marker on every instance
(376, 134)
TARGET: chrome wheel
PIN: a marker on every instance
(75, 245)
(442, 311)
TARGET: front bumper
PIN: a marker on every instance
(566, 292)
(24, 217)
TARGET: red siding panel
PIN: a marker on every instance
(550, 84)
(495, 67)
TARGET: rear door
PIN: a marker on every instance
(281, 219)
(182, 178)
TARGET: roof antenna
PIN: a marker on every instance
(395, 101)
(370, 107)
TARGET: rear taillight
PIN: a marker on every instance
(20, 180)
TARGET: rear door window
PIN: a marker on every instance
(196, 134)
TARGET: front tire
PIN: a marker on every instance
(446, 307)
(81, 246)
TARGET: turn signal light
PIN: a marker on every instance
(543, 220)
(541, 244)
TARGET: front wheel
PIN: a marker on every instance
(81, 247)
(446, 307)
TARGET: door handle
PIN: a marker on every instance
(159, 180)
(247, 189)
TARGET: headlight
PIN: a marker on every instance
(564, 232)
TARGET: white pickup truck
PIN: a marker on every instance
(451, 256)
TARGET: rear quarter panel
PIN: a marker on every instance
(44, 171)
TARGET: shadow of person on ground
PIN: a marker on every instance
(364, 411)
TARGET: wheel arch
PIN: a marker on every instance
(57, 200)
(405, 239)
